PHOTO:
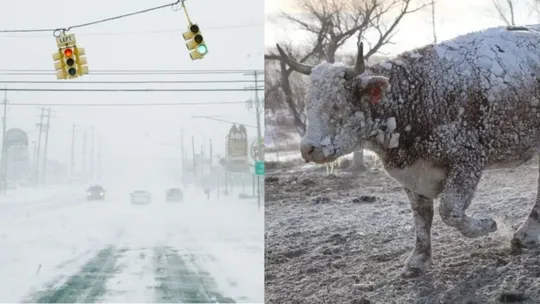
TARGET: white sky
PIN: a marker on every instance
(454, 17)
(123, 129)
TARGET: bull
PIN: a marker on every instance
(438, 117)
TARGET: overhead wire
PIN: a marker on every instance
(37, 72)
(124, 82)
(131, 90)
(152, 32)
(116, 104)
(56, 30)
(141, 32)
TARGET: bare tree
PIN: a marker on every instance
(433, 21)
(296, 106)
(505, 10)
(276, 99)
(332, 23)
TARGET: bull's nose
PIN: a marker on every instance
(306, 150)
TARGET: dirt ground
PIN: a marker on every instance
(344, 239)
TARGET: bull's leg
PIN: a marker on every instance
(420, 258)
(528, 234)
(457, 196)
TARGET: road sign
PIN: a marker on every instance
(16, 137)
(237, 149)
(66, 40)
(259, 168)
(255, 153)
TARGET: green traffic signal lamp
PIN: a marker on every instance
(202, 49)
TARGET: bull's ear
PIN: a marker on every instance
(375, 87)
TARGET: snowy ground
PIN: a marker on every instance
(344, 239)
(65, 249)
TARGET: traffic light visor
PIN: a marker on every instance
(68, 52)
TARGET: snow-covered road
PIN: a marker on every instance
(65, 249)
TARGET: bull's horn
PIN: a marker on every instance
(360, 65)
(295, 65)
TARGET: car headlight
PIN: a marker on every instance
(101, 193)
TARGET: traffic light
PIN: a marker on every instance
(195, 42)
(59, 64)
(70, 62)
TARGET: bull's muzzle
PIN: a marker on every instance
(312, 152)
(306, 150)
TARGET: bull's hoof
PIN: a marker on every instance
(416, 265)
(412, 272)
(477, 227)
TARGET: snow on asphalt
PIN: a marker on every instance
(67, 249)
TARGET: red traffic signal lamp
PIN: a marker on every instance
(69, 57)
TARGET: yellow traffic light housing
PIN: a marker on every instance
(70, 61)
(195, 42)
(59, 64)
(80, 61)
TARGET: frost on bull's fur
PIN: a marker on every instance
(438, 117)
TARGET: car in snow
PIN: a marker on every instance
(95, 193)
(174, 195)
(140, 197)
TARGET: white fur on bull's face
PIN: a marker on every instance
(336, 114)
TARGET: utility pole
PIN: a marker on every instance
(84, 156)
(34, 147)
(258, 104)
(40, 131)
(259, 133)
(183, 152)
(210, 156)
(92, 157)
(47, 128)
(194, 161)
(3, 164)
(72, 169)
(98, 160)
(202, 162)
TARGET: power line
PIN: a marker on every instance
(57, 30)
(123, 81)
(163, 31)
(127, 90)
(144, 70)
(125, 104)
(25, 72)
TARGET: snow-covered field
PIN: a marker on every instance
(344, 239)
(66, 249)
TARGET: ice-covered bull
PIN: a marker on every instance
(438, 117)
